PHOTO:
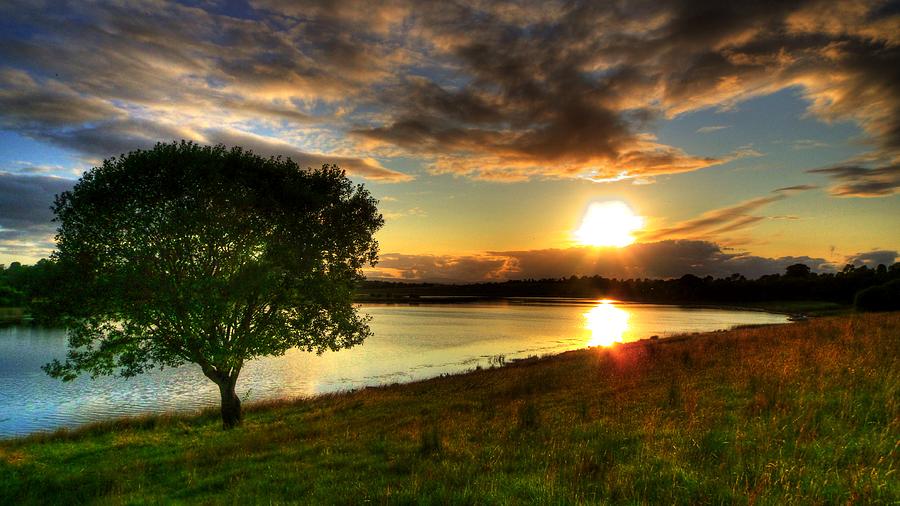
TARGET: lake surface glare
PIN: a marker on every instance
(409, 343)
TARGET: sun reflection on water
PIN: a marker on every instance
(607, 323)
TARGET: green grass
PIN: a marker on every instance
(807, 413)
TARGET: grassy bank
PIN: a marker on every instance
(802, 413)
(807, 307)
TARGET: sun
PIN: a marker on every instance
(610, 223)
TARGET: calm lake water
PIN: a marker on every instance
(409, 343)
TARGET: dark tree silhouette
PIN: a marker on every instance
(839, 287)
(195, 254)
(884, 297)
(797, 271)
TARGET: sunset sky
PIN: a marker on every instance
(748, 136)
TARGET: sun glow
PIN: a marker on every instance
(607, 324)
(608, 224)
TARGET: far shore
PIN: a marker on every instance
(788, 307)
(19, 315)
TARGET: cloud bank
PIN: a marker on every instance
(662, 259)
(481, 89)
(26, 230)
(860, 181)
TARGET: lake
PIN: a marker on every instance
(409, 343)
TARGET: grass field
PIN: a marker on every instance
(804, 413)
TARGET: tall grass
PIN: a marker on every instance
(802, 413)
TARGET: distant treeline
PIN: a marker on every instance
(25, 286)
(21, 285)
(797, 283)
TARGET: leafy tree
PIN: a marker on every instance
(797, 271)
(194, 254)
(10, 297)
(884, 297)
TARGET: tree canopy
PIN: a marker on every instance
(195, 254)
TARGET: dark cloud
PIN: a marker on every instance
(446, 268)
(25, 102)
(795, 188)
(111, 77)
(489, 90)
(362, 16)
(367, 168)
(26, 229)
(874, 258)
(664, 259)
(529, 107)
(568, 90)
(25, 200)
(859, 181)
(112, 138)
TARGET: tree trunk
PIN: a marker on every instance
(231, 404)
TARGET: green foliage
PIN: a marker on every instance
(189, 253)
(797, 285)
(26, 286)
(10, 297)
(884, 297)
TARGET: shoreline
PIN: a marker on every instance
(466, 367)
(142, 419)
(814, 307)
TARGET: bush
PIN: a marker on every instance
(430, 442)
(884, 297)
(10, 297)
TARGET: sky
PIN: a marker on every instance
(745, 135)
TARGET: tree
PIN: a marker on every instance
(797, 271)
(10, 297)
(194, 254)
(884, 297)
